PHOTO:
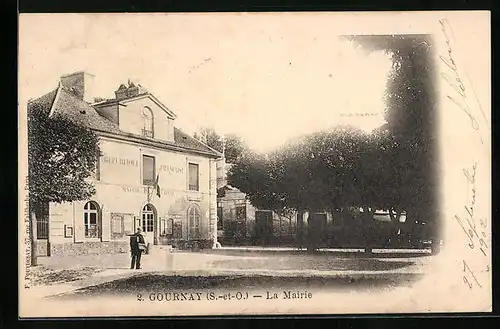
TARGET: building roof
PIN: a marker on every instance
(45, 101)
(62, 102)
(141, 93)
(79, 111)
(184, 140)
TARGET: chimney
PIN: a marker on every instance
(130, 90)
(81, 84)
(121, 93)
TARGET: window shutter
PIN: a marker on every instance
(163, 224)
(170, 226)
(79, 231)
(105, 224)
(137, 223)
(128, 224)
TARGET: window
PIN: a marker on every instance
(241, 213)
(148, 215)
(220, 221)
(193, 177)
(194, 216)
(42, 221)
(147, 117)
(148, 170)
(90, 218)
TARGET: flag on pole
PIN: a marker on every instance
(157, 187)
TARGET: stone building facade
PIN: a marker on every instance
(150, 175)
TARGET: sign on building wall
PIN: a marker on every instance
(68, 231)
(117, 225)
(121, 225)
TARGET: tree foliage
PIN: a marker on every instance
(232, 145)
(391, 168)
(62, 156)
(321, 171)
(411, 116)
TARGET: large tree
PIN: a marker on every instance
(411, 115)
(209, 136)
(392, 168)
(316, 173)
(62, 156)
(232, 145)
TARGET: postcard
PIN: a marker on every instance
(274, 163)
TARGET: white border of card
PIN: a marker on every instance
(458, 279)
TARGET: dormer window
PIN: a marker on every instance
(147, 117)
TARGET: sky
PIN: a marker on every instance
(264, 77)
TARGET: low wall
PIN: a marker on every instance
(41, 248)
(89, 248)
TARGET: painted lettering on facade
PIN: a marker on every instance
(134, 189)
(167, 192)
(145, 190)
(171, 169)
(120, 161)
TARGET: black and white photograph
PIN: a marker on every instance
(208, 164)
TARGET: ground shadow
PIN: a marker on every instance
(316, 263)
(157, 283)
(343, 254)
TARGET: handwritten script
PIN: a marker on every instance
(474, 228)
(475, 234)
(455, 81)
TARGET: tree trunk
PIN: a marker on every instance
(300, 228)
(313, 233)
(310, 228)
(32, 233)
(435, 247)
(409, 226)
(395, 223)
(368, 229)
(391, 214)
(395, 214)
(279, 233)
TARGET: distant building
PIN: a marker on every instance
(240, 223)
(140, 143)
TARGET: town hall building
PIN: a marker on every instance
(150, 174)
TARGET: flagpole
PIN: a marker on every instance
(223, 159)
(157, 186)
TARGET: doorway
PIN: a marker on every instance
(148, 222)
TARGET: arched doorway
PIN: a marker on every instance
(148, 222)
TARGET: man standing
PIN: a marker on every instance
(137, 246)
